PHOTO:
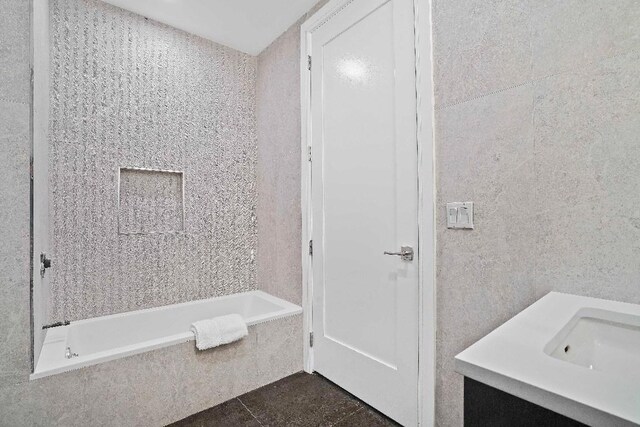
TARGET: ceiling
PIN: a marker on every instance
(246, 25)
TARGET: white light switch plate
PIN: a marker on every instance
(460, 215)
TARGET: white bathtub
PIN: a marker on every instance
(112, 337)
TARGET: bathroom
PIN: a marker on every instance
(170, 164)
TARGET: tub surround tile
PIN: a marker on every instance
(61, 401)
(151, 377)
(283, 354)
(479, 47)
(568, 35)
(152, 388)
(217, 376)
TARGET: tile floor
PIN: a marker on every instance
(299, 400)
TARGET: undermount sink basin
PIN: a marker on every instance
(574, 355)
(600, 340)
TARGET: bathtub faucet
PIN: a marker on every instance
(69, 355)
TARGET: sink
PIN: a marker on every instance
(574, 355)
(600, 340)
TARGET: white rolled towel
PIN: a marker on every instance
(219, 331)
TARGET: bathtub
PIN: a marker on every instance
(106, 338)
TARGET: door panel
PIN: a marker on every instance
(358, 128)
(364, 197)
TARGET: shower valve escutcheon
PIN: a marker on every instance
(406, 253)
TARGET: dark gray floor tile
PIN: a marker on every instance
(300, 400)
(366, 417)
(228, 414)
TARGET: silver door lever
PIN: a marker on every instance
(406, 253)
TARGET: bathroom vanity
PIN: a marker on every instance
(565, 361)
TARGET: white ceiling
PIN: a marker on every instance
(246, 25)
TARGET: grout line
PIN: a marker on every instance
(484, 95)
(532, 80)
(248, 410)
(347, 416)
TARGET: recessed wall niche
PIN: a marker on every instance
(150, 201)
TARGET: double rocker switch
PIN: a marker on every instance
(460, 215)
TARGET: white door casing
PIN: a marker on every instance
(364, 201)
(40, 284)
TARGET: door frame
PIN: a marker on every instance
(426, 196)
(40, 34)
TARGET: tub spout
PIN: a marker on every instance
(69, 355)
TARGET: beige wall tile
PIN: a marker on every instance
(278, 127)
(567, 35)
(586, 127)
(479, 47)
(485, 155)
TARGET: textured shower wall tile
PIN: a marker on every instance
(479, 47)
(278, 120)
(484, 276)
(127, 92)
(586, 134)
(567, 35)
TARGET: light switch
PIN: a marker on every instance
(460, 215)
(453, 215)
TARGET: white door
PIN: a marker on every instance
(364, 202)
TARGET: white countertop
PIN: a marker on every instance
(512, 359)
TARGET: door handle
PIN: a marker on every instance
(406, 253)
